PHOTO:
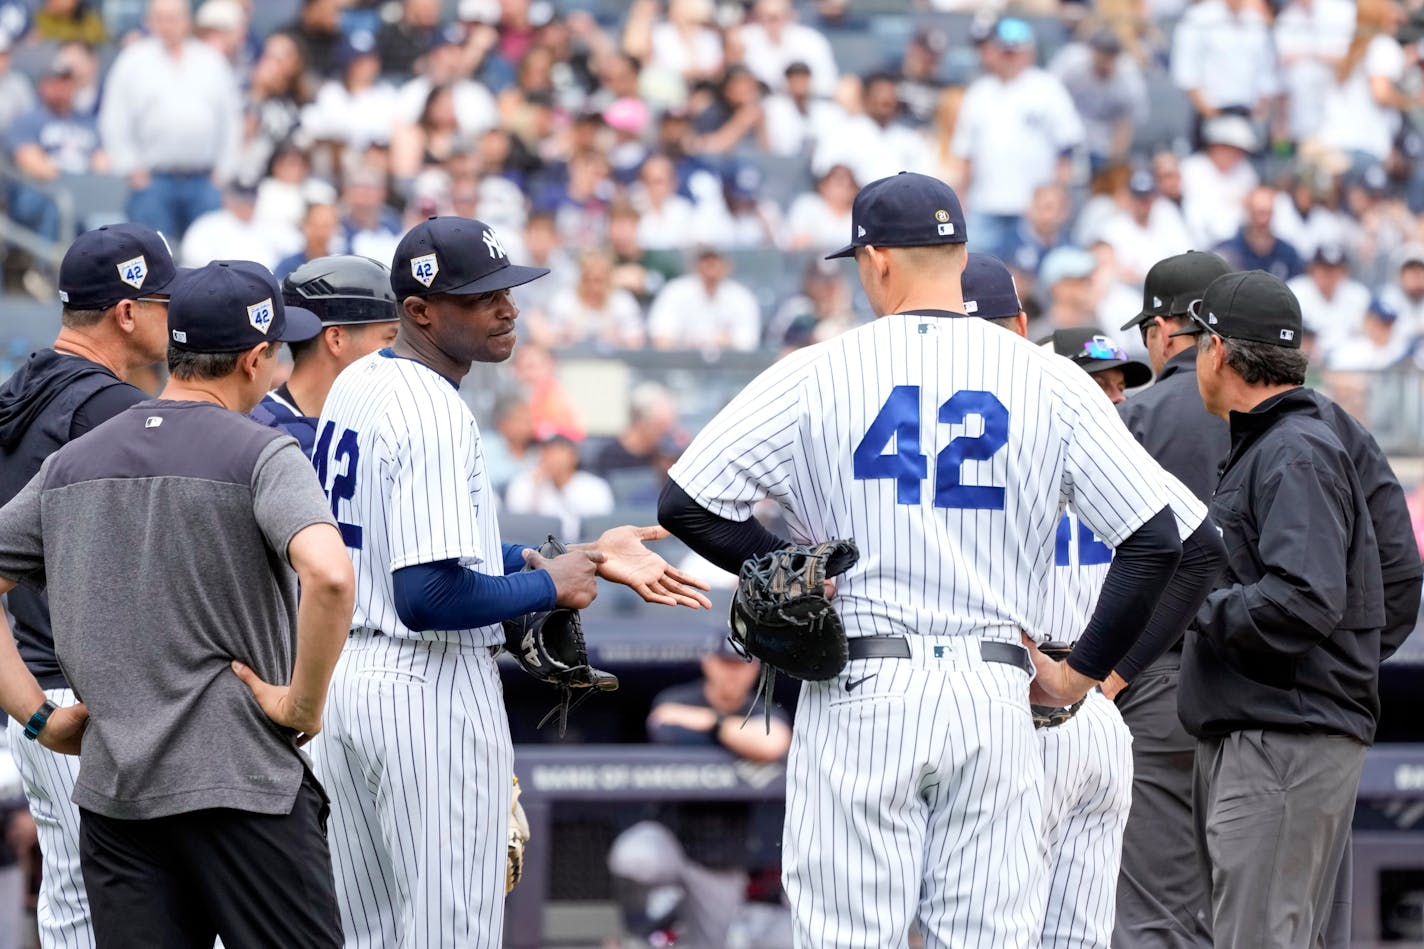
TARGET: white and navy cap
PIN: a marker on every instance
(989, 290)
(904, 210)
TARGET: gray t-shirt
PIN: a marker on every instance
(162, 537)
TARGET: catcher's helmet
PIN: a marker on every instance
(342, 289)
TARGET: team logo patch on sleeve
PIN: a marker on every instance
(424, 268)
(134, 272)
(260, 315)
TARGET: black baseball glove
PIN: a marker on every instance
(780, 613)
(550, 647)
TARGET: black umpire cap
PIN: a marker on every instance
(113, 263)
(904, 210)
(456, 255)
(342, 289)
(1174, 282)
(1093, 352)
(232, 305)
(1252, 306)
(989, 290)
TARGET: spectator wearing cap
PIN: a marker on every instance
(69, 21)
(244, 521)
(404, 40)
(222, 24)
(818, 220)
(918, 75)
(49, 141)
(1148, 229)
(1256, 246)
(1311, 38)
(1280, 674)
(1406, 294)
(1216, 180)
(114, 284)
(1375, 348)
(555, 487)
(444, 65)
(796, 120)
(773, 40)
(1223, 59)
(592, 312)
(318, 28)
(1362, 111)
(1065, 281)
(170, 121)
(702, 851)
(356, 107)
(706, 309)
(352, 298)
(1109, 92)
(1017, 130)
(876, 144)
(1103, 359)
(235, 228)
(1331, 302)
(1159, 887)
(628, 119)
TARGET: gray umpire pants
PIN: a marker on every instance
(1161, 896)
(1272, 814)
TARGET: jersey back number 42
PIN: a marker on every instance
(899, 418)
(338, 456)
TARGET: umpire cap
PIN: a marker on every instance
(456, 255)
(904, 210)
(1174, 282)
(1253, 306)
(342, 289)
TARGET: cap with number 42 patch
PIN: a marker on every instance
(232, 305)
(456, 255)
(113, 263)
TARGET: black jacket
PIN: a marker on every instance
(1172, 424)
(49, 401)
(1291, 641)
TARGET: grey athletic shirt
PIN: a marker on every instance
(161, 538)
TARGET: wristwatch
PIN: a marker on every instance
(38, 720)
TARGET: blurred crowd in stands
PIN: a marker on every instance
(682, 165)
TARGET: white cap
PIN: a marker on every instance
(220, 15)
(1233, 130)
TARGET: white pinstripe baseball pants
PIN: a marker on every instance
(915, 797)
(416, 758)
(1087, 764)
(63, 911)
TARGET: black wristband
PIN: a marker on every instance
(38, 720)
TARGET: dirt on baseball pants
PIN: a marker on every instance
(1161, 896)
(256, 880)
(1273, 813)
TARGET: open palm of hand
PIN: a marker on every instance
(629, 561)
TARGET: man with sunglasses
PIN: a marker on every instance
(1160, 899)
(1280, 677)
(113, 287)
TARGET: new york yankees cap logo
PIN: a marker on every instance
(455, 255)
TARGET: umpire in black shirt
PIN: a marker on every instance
(1279, 678)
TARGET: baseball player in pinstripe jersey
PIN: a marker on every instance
(946, 448)
(1087, 751)
(416, 754)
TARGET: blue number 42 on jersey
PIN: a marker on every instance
(346, 453)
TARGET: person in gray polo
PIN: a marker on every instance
(171, 540)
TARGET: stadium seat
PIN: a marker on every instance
(860, 53)
(98, 199)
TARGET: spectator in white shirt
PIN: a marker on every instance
(1406, 295)
(820, 220)
(684, 45)
(234, 232)
(668, 219)
(358, 108)
(705, 310)
(1377, 346)
(591, 312)
(1147, 230)
(773, 41)
(1223, 59)
(444, 65)
(1332, 304)
(1311, 37)
(556, 488)
(877, 144)
(796, 120)
(1363, 106)
(1109, 92)
(1216, 181)
(171, 121)
(1017, 130)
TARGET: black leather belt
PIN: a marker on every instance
(898, 647)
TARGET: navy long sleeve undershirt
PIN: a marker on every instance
(444, 595)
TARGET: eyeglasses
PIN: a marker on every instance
(1194, 310)
(1100, 347)
(163, 300)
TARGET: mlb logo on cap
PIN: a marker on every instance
(904, 210)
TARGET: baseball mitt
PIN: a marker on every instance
(550, 647)
(518, 837)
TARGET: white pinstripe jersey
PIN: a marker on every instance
(398, 453)
(946, 447)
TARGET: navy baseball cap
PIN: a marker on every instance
(456, 255)
(1250, 305)
(113, 263)
(1174, 282)
(989, 290)
(232, 305)
(1093, 352)
(904, 210)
